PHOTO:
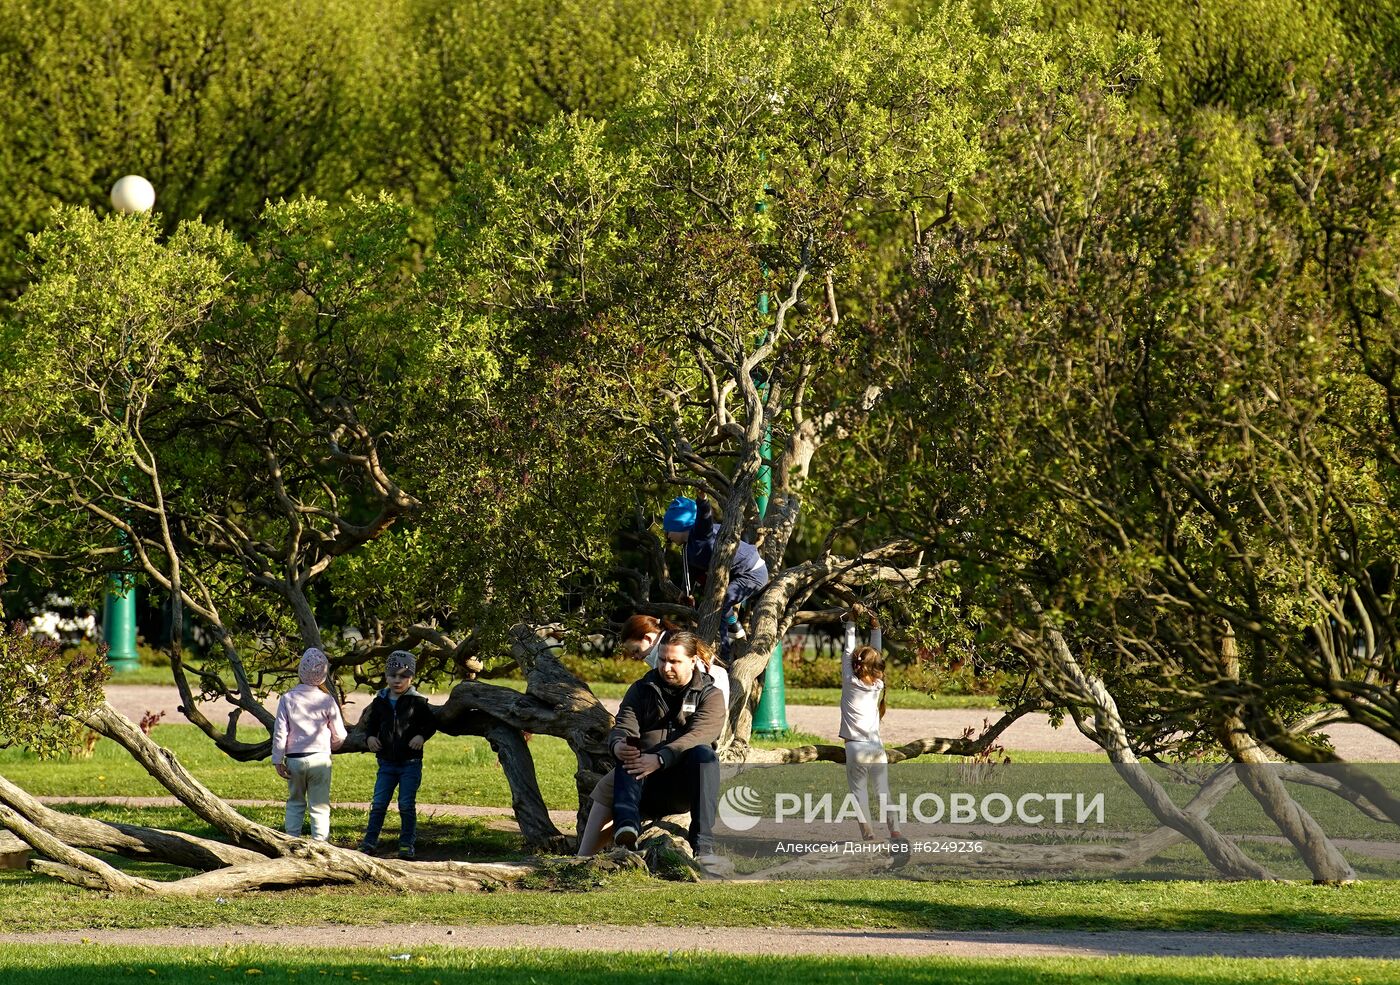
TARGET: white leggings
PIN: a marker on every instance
(865, 760)
(309, 793)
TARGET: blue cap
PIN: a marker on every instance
(680, 515)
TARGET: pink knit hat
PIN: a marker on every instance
(315, 665)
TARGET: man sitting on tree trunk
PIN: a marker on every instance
(664, 741)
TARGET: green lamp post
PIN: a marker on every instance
(119, 623)
(130, 195)
(770, 717)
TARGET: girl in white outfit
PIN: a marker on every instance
(862, 707)
(307, 728)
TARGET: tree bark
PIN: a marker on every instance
(293, 861)
(555, 702)
(128, 840)
(1108, 733)
(934, 745)
(525, 798)
(1290, 746)
(96, 873)
(1322, 858)
(165, 768)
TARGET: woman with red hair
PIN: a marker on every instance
(643, 636)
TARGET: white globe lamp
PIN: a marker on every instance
(133, 194)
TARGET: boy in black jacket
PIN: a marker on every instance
(400, 722)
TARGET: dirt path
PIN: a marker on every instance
(1033, 733)
(758, 940)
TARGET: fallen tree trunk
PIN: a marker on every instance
(284, 861)
(932, 746)
(276, 873)
(127, 840)
(161, 764)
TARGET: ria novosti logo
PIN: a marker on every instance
(740, 808)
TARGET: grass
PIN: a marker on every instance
(457, 770)
(36, 904)
(439, 966)
(463, 770)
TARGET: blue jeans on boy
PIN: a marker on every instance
(408, 777)
(741, 586)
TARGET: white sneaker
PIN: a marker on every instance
(736, 632)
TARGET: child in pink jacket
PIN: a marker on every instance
(307, 729)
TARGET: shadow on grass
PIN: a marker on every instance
(973, 915)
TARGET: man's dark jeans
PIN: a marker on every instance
(690, 784)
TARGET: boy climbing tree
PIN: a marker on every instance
(691, 524)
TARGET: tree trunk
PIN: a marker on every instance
(1322, 858)
(555, 703)
(525, 797)
(294, 861)
(1290, 746)
(933, 745)
(1301, 774)
(162, 764)
(128, 840)
(1108, 732)
(95, 873)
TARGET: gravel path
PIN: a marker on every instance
(1033, 733)
(758, 940)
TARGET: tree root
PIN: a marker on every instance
(261, 859)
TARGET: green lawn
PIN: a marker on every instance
(34, 904)
(439, 966)
(457, 770)
(463, 770)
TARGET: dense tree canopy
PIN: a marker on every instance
(1076, 351)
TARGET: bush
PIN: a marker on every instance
(920, 676)
(43, 694)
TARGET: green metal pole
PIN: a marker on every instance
(131, 194)
(770, 717)
(119, 623)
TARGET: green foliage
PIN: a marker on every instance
(223, 115)
(220, 113)
(1231, 53)
(1157, 409)
(486, 74)
(1124, 375)
(47, 694)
